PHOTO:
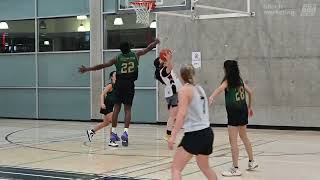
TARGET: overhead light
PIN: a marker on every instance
(43, 25)
(47, 43)
(118, 21)
(81, 28)
(4, 25)
(82, 17)
(153, 24)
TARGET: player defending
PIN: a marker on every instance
(126, 63)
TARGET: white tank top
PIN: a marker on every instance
(170, 81)
(198, 112)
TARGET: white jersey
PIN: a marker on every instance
(198, 112)
(172, 83)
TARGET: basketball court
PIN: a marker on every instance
(54, 150)
(285, 145)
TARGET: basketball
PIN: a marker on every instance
(163, 54)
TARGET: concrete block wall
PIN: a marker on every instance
(278, 53)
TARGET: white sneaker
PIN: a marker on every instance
(232, 172)
(113, 144)
(90, 134)
(252, 165)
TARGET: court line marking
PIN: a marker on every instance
(65, 151)
(43, 142)
(49, 170)
(191, 162)
(64, 156)
(294, 162)
(112, 154)
(253, 145)
(34, 175)
(128, 167)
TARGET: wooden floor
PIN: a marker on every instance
(60, 150)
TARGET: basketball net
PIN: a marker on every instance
(142, 9)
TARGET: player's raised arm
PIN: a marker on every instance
(84, 69)
(149, 48)
(168, 63)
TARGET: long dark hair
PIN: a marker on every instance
(158, 67)
(232, 73)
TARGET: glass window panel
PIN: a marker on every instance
(18, 103)
(18, 37)
(64, 104)
(17, 9)
(109, 5)
(146, 70)
(56, 70)
(64, 34)
(17, 70)
(62, 7)
(137, 34)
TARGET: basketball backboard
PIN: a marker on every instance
(195, 9)
(161, 5)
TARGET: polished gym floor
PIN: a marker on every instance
(31, 149)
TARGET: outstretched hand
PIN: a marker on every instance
(82, 69)
(157, 41)
(211, 100)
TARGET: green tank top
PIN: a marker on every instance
(127, 66)
(110, 95)
(236, 97)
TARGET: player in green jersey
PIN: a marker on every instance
(106, 106)
(126, 63)
(238, 112)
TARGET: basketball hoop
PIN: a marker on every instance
(142, 9)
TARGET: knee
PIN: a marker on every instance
(203, 167)
(106, 122)
(109, 120)
(233, 140)
(234, 144)
(243, 136)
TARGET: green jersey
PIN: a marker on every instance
(110, 95)
(127, 66)
(236, 97)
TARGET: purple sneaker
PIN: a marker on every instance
(125, 139)
(113, 140)
(117, 137)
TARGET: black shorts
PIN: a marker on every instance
(108, 109)
(198, 142)
(124, 91)
(237, 117)
(172, 101)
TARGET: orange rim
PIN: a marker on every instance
(150, 5)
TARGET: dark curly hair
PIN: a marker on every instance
(125, 47)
